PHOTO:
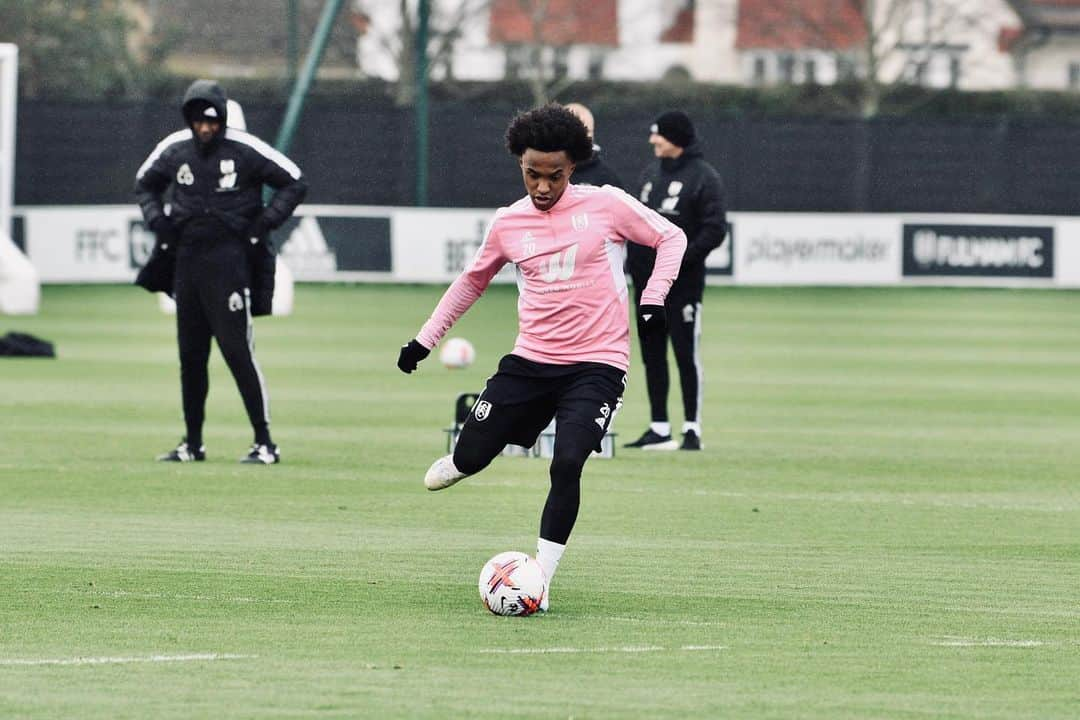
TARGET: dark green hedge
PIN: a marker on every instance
(785, 101)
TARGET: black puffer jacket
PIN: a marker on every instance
(220, 180)
(595, 171)
(687, 191)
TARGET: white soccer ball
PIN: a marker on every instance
(457, 353)
(512, 583)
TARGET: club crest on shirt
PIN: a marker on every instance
(228, 175)
(482, 410)
(580, 221)
(236, 302)
(667, 205)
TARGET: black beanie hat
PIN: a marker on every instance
(674, 125)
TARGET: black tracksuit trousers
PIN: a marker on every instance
(213, 300)
(683, 310)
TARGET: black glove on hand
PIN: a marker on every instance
(162, 225)
(258, 230)
(653, 319)
(411, 354)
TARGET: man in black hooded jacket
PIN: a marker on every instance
(218, 229)
(686, 190)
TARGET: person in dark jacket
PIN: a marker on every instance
(593, 171)
(216, 233)
(685, 189)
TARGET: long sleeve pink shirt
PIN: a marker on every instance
(572, 295)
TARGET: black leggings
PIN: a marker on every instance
(213, 302)
(573, 444)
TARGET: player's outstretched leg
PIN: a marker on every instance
(474, 451)
(442, 473)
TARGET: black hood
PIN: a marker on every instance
(202, 94)
(592, 159)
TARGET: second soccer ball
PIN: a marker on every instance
(457, 353)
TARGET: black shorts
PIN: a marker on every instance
(523, 396)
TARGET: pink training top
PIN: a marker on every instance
(572, 297)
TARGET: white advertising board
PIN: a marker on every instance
(331, 243)
(816, 249)
(435, 245)
(85, 244)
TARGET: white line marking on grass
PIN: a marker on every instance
(573, 650)
(170, 596)
(662, 621)
(194, 657)
(953, 641)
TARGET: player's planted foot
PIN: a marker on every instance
(442, 473)
(184, 453)
(690, 441)
(650, 440)
(262, 455)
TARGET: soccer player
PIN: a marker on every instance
(218, 229)
(572, 351)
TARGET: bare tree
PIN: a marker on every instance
(888, 43)
(553, 27)
(397, 37)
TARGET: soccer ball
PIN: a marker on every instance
(457, 353)
(512, 583)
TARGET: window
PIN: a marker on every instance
(759, 70)
(787, 68)
(1074, 76)
(845, 68)
(810, 71)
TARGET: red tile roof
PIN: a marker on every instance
(800, 24)
(681, 29)
(566, 22)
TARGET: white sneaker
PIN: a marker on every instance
(442, 474)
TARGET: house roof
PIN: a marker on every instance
(681, 28)
(800, 25)
(1039, 18)
(1054, 14)
(565, 22)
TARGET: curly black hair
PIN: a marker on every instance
(549, 128)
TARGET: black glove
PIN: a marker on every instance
(258, 230)
(411, 354)
(161, 226)
(651, 319)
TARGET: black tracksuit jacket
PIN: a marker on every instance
(595, 171)
(221, 181)
(687, 191)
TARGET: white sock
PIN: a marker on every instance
(548, 555)
(695, 426)
(660, 428)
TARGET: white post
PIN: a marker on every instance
(9, 74)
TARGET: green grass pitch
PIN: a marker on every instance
(885, 522)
